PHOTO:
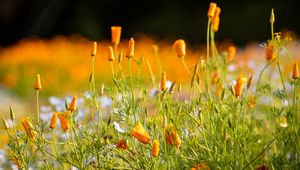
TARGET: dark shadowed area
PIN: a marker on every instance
(241, 21)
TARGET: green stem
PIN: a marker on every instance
(261, 73)
(132, 95)
(282, 81)
(184, 64)
(54, 144)
(207, 39)
(37, 107)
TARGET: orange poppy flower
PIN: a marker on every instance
(122, 144)
(270, 52)
(28, 127)
(180, 47)
(140, 134)
(111, 56)
(163, 82)
(116, 34)
(130, 48)
(211, 9)
(171, 136)
(295, 74)
(73, 104)
(240, 82)
(37, 83)
(231, 53)
(94, 49)
(65, 121)
(155, 148)
(53, 120)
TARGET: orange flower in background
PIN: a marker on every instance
(130, 48)
(73, 104)
(53, 120)
(94, 49)
(116, 34)
(211, 9)
(295, 74)
(231, 53)
(215, 77)
(155, 148)
(65, 121)
(122, 144)
(37, 83)
(171, 136)
(140, 133)
(163, 82)
(28, 127)
(240, 82)
(270, 52)
(252, 102)
(111, 55)
(180, 47)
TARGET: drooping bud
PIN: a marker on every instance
(111, 56)
(295, 74)
(53, 120)
(211, 9)
(180, 48)
(155, 148)
(163, 82)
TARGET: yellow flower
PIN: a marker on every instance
(73, 104)
(65, 121)
(240, 82)
(28, 127)
(130, 48)
(94, 49)
(37, 83)
(116, 34)
(53, 120)
(155, 148)
(111, 56)
(179, 47)
(211, 9)
(140, 134)
(295, 74)
(163, 82)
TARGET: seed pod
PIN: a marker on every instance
(140, 134)
(163, 82)
(130, 48)
(6, 126)
(172, 87)
(53, 120)
(111, 56)
(249, 82)
(272, 17)
(12, 114)
(211, 9)
(180, 48)
(295, 74)
(94, 49)
(155, 148)
(179, 87)
(73, 104)
(37, 83)
(102, 89)
(116, 34)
